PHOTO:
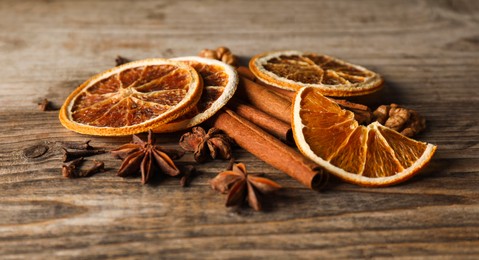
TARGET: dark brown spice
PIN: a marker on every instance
(145, 157)
(72, 168)
(45, 105)
(69, 155)
(362, 113)
(174, 154)
(242, 187)
(81, 145)
(188, 173)
(207, 145)
(120, 60)
(69, 169)
(98, 166)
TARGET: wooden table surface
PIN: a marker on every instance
(427, 51)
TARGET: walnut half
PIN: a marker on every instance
(406, 121)
(222, 54)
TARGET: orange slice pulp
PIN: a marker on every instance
(132, 98)
(219, 84)
(371, 155)
(293, 70)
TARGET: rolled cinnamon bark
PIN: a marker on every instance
(284, 93)
(270, 124)
(278, 104)
(246, 73)
(265, 100)
(271, 150)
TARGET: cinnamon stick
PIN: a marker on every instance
(287, 94)
(246, 73)
(279, 105)
(265, 100)
(271, 150)
(270, 124)
(362, 113)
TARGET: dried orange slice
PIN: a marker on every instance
(371, 155)
(132, 98)
(219, 85)
(293, 70)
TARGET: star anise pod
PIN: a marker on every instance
(242, 187)
(147, 158)
(211, 145)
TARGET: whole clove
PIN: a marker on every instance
(188, 173)
(98, 166)
(45, 105)
(120, 60)
(69, 169)
(72, 169)
(69, 155)
(81, 145)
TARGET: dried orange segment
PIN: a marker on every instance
(326, 141)
(293, 70)
(219, 80)
(327, 135)
(314, 99)
(407, 150)
(370, 156)
(380, 158)
(132, 98)
(352, 155)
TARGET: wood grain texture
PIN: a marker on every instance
(427, 51)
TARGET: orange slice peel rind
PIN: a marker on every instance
(293, 70)
(132, 98)
(220, 81)
(372, 155)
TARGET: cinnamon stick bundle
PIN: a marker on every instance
(265, 100)
(270, 124)
(246, 73)
(278, 104)
(271, 150)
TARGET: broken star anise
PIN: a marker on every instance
(211, 145)
(147, 158)
(242, 187)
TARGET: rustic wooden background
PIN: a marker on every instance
(427, 51)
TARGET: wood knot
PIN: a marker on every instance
(35, 151)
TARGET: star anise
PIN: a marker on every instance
(211, 145)
(242, 187)
(147, 158)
